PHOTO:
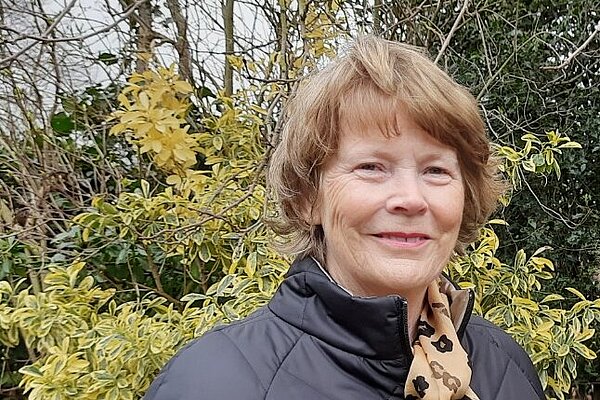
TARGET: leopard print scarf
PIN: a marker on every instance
(440, 368)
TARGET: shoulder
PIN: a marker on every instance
(233, 361)
(501, 368)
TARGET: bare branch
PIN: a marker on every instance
(452, 30)
(44, 38)
(576, 52)
(229, 46)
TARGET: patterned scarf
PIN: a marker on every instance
(440, 369)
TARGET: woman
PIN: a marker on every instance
(382, 174)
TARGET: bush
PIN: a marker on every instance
(198, 253)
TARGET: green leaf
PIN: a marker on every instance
(585, 351)
(205, 254)
(31, 370)
(206, 92)
(62, 123)
(122, 257)
(193, 297)
(577, 293)
(224, 284)
(107, 58)
(528, 165)
(539, 356)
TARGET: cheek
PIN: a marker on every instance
(446, 205)
(340, 205)
(451, 208)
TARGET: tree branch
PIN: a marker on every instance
(44, 38)
(229, 46)
(452, 31)
(181, 44)
(576, 52)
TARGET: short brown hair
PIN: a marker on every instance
(365, 86)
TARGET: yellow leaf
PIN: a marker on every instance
(144, 100)
(5, 213)
(552, 297)
(174, 180)
(236, 62)
(182, 87)
(184, 155)
(250, 267)
(577, 293)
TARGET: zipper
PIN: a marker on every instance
(467, 316)
(402, 306)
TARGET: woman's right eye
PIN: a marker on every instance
(369, 167)
(370, 170)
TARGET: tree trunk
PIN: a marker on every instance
(141, 22)
(228, 21)
(182, 43)
(377, 16)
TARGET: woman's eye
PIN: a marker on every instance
(438, 171)
(369, 167)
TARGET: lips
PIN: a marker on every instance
(401, 236)
(412, 238)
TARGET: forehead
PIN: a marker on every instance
(409, 140)
(365, 105)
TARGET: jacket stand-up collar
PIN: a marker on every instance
(371, 327)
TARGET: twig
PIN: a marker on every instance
(547, 209)
(47, 31)
(483, 41)
(45, 39)
(167, 296)
(576, 52)
(452, 31)
(153, 269)
(488, 82)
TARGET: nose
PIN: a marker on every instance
(406, 196)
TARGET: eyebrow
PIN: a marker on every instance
(435, 155)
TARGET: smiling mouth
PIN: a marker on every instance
(403, 237)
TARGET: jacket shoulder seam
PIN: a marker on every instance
(279, 367)
(264, 314)
(244, 357)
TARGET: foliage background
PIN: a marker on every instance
(132, 202)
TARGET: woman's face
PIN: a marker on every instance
(390, 208)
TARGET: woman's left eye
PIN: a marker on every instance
(437, 171)
(369, 167)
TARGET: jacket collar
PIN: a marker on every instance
(371, 327)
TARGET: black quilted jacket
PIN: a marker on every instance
(316, 342)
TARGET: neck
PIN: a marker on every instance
(415, 306)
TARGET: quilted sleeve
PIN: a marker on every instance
(210, 368)
(502, 370)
